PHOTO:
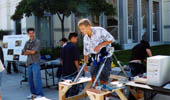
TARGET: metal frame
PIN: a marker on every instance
(81, 70)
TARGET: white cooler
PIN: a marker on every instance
(158, 70)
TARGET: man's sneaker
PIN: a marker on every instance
(31, 96)
(41, 98)
(38, 96)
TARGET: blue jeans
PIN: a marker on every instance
(34, 79)
(1, 74)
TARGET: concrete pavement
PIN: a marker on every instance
(11, 89)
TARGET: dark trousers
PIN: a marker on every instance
(59, 72)
(136, 69)
(9, 67)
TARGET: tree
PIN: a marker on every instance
(99, 6)
(95, 7)
(63, 8)
(4, 32)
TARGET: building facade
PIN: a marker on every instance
(48, 27)
(135, 20)
(141, 19)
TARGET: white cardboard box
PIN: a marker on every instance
(158, 70)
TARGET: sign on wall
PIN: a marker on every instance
(12, 47)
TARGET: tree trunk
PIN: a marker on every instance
(62, 28)
(62, 23)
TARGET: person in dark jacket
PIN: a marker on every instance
(137, 60)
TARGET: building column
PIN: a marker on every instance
(160, 25)
(103, 20)
(149, 18)
(137, 21)
(73, 22)
(123, 21)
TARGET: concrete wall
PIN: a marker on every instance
(4, 12)
(7, 8)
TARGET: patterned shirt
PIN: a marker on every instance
(32, 45)
(99, 35)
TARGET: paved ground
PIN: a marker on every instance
(11, 89)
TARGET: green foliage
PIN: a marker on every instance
(39, 7)
(161, 50)
(29, 7)
(3, 32)
(99, 6)
(63, 8)
(94, 8)
(124, 55)
(116, 46)
(54, 52)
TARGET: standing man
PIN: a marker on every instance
(95, 38)
(32, 50)
(70, 61)
(63, 42)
